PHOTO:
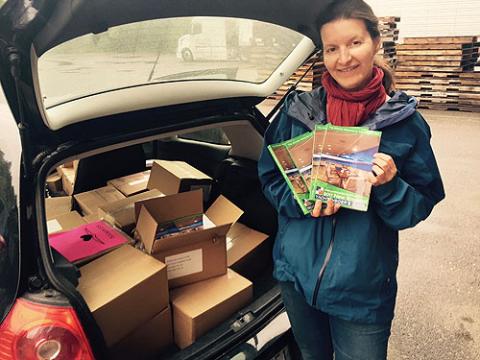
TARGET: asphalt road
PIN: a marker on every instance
(438, 304)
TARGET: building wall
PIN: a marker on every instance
(432, 17)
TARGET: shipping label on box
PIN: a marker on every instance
(183, 264)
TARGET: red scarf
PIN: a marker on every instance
(351, 108)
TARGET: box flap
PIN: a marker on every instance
(190, 238)
(182, 169)
(223, 211)
(146, 228)
(241, 240)
(174, 206)
(131, 184)
(163, 180)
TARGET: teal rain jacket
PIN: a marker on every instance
(345, 264)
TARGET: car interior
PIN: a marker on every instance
(221, 152)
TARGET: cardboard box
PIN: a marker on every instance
(131, 184)
(147, 340)
(172, 177)
(200, 307)
(90, 201)
(91, 218)
(68, 178)
(54, 182)
(121, 213)
(246, 249)
(124, 289)
(55, 206)
(65, 222)
(191, 256)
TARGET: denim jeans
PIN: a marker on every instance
(320, 336)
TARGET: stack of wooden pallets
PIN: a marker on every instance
(439, 71)
(389, 33)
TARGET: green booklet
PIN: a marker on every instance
(293, 157)
(342, 159)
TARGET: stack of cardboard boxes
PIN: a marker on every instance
(180, 285)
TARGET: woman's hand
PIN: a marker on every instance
(321, 209)
(383, 169)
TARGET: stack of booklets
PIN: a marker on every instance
(331, 162)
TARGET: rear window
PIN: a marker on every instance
(164, 50)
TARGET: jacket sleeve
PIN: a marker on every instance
(273, 183)
(411, 195)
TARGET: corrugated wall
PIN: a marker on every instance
(432, 17)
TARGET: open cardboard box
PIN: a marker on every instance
(192, 256)
(172, 177)
(124, 289)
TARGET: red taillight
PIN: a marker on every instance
(42, 332)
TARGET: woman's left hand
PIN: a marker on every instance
(383, 169)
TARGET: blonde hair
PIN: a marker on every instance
(360, 10)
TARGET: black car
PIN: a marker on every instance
(115, 83)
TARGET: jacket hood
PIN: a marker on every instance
(309, 109)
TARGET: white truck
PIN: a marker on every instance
(216, 39)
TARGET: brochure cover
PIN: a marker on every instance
(292, 175)
(182, 225)
(300, 150)
(343, 164)
(87, 242)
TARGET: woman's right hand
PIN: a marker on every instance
(322, 209)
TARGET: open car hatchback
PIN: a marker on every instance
(151, 106)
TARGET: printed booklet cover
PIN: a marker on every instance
(301, 148)
(87, 242)
(342, 159)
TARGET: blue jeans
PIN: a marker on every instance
(319, 335)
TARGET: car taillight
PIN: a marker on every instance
(35, 331)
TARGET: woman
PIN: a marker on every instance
(337, 267)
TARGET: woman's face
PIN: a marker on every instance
(349, 52)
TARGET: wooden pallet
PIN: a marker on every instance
(444, 88)
(433, 68)
(429, 74)
(438, 46)
(440, 40)
(449, 107)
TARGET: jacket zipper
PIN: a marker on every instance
(328, 255)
